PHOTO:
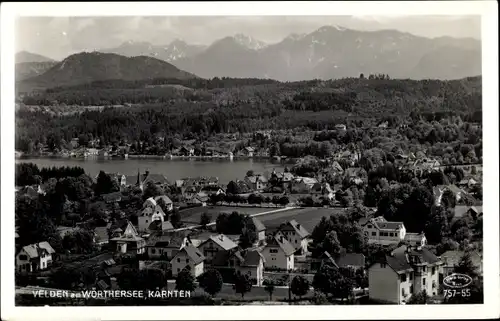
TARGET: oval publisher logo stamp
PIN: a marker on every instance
(457, 281)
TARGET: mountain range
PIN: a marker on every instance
(30, 64)
(87, 67)
(328, 52)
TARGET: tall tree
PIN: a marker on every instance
(211, 282)
(242, 284)
(185, 281)
(299, 286)
(269, 286)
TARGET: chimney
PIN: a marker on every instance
(147, 173)
(221, 237)
(298, 225)
(281, 238)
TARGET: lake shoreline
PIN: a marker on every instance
(177, 168)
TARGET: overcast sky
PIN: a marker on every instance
(61, 36)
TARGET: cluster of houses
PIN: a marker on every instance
(199, 251)
(288, 182)
(407, 270)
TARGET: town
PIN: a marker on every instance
(305, 234)
(339, 166)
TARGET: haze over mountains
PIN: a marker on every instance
(329, 52)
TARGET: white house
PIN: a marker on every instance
(416, 239)
(125, 237)
(169, 205)
(148, 215)
(323, 189)
(188, 257)
(406, 271)
(153, 202)
(260, 231)
(278, 253)
(256, 182)
(34, 257)
(296, 234)
(303, 184)
(214, 244)
(380, 231)
(247, 262)
(165, 246)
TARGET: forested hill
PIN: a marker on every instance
(86, 67)
(243, 108)
(370, 96)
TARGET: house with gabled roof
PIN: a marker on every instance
(406, 271)
(464, 210)
(303, 184)
(124, 236)
(157, 226)
(214, 244)
(248, 262)
(147, 178)
(415, 239)
(166, 245)
(324, 189)
(278, 253)
(296, 234)
(190, 258)
(256, 182)
(380, 231)
(148, 215)
(260, 230)
(34, 257)
(248, 151)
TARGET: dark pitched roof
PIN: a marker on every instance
(165, 199)
(351, 259)
(193, 253)
(172, 240)
(246, 258)
(34, 250)
(298, 228)
(326, 257)
(121, 224)
(404, 257)
(158, 225)
(223, 241)
(259, 227)
(388, 225)
(155, 179)
(221, 258)
(251, 258)
(281, 242)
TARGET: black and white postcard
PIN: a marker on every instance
(251, 160)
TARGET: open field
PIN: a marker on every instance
(308, 217)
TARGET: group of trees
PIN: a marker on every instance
(251, 199)
(265, 106)
(236, 223)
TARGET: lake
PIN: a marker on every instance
(225, 169)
